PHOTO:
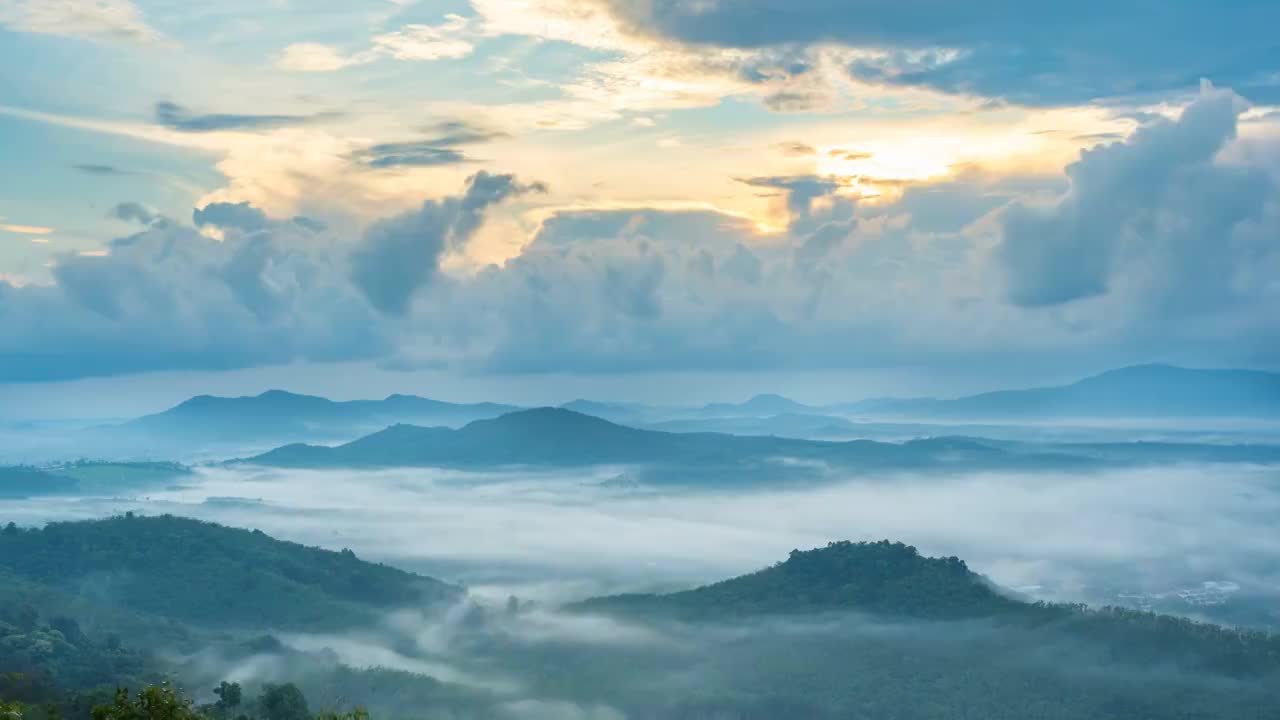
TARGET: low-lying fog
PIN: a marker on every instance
(564, 535)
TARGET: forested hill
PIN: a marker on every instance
(209, 575)
(893, 583)
(883, 578)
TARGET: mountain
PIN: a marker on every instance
(278, 415)
(622, 413)
(209, 575)
(1138, 391)
(556, 437)
(878, 630)
(758, 406)
(882, 578)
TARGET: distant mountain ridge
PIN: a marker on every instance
(1138, 391)
(555, 437)
(277, 413)
(208, 427)
(1153, 390)
(759, 406)
(560, 437)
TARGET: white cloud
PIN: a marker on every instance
(585, 24)
(115, 20)
(450, 40)
(316, 57)
(25, 229)
(428, 42)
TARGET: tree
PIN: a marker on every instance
(356, 714)
(282, 702)
(25, 617)
(158, 702)
(10, 711)
(228, 695)
(70, 630)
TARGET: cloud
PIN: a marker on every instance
(794, 101)
(590, 24)
(25, 229)
(416, 153)
(1159, 247)
(1026, 52)
(1161, 199)
(456, 132)
(640, 74)
(415, 42)
(105, 170)
(240, 216)
(317, 57)
(795, 149)
(800, 191)
(399, 254)
(441, 149)
(109, 20)
(170, 297)
(427, 42)
(134, 212)
(850, 155)
(177, 117)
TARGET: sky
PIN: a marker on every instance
(466, 196)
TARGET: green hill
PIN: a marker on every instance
(893, 582)
(884, 578)
(208, 575)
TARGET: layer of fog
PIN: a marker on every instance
(564, 535)
(547, 664)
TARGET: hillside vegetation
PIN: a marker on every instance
(210, 575)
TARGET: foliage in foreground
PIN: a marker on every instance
(164, 702)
